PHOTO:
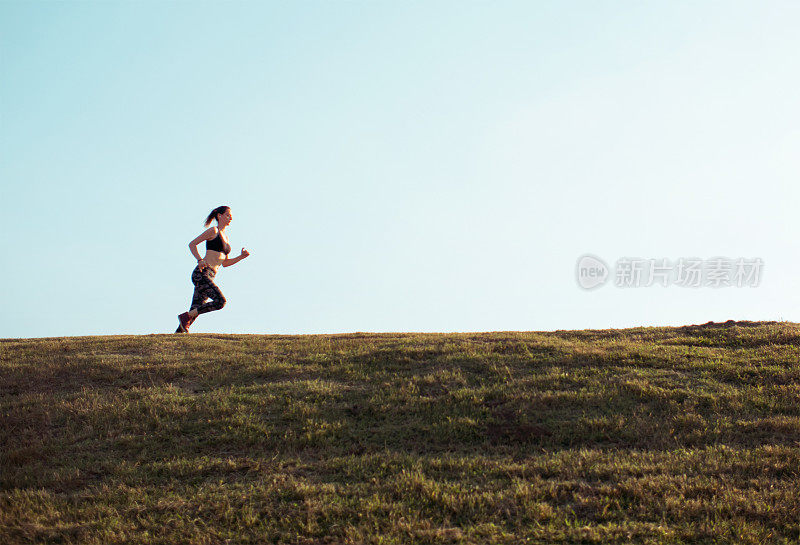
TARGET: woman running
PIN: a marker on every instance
(217, 251)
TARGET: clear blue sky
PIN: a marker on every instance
(393, 166)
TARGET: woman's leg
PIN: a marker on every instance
(198, 298)
(206, 289)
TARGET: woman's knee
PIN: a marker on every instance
(221, 301)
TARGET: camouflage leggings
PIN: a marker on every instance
(205, 288)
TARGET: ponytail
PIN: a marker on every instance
(214, 213)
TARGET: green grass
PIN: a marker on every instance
(646, 435)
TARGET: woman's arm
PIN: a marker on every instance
(235, 260)
(208, 234)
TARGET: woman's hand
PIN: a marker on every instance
(245, 253)
(202, 264)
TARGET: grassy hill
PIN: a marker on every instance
(647, 435)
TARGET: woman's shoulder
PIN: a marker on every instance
(207, 235)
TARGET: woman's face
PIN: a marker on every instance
(226, 218)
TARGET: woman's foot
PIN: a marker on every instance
(185, 321)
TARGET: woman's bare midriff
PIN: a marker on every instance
(214, 259)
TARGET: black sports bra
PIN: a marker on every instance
(216, 244)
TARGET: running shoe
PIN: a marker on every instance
(185, 321)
